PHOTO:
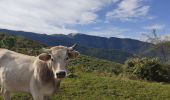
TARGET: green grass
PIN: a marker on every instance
(89, 86)
(92, 64)
(96, 87)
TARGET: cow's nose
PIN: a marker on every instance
(61, 74)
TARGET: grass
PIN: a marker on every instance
(88, 86)
(96, 87)
(92, 64)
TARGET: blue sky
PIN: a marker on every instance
(107, 18)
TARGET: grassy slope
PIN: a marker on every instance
(93, 87)
(92, 64)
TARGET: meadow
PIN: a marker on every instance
(90, 86)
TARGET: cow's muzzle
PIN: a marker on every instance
(61, 74)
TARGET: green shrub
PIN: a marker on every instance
(147, 68)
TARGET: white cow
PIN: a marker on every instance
(39, 75)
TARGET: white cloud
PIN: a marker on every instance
(155, 26)
(49, 16)
(129, 10)
(109, 32)
(165, 37)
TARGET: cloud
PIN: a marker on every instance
(165, 37)
(130, 10)
(49, 16)
(109, 32)
(155, 26)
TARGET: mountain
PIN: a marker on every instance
(127, 45)
(113, 49)
(108, 54)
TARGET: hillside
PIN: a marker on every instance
(88, 45)
(20, 44)
(87, 63)
(108, 54)
(91, 64)
(83, 63)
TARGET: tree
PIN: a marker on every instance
(153, 37)
(161, 47)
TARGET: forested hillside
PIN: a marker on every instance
(85, 63)
(20, 44)
(118, 50)
(107, 54)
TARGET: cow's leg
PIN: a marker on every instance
(35, 91)
(6, 95)
(1, 92)
(37, 96)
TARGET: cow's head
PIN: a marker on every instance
(57, 59)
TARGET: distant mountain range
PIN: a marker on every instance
(114, 49)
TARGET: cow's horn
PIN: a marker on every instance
(73, 47)
(46, 50)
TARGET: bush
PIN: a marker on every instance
(147, 68)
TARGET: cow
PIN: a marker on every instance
(38, 75)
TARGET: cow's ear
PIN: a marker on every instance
(45, 56)
(44, 73)
(73, 54)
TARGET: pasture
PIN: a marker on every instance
(88, 86)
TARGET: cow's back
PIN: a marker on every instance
(4, 57)
(16, 70)
(7, 55)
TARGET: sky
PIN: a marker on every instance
(106, 18)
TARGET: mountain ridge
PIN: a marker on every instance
(113, 49)
(123, 44)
